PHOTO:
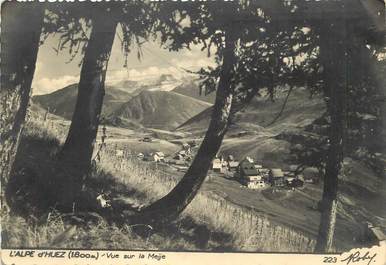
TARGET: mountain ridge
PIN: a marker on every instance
(158, 109)
(62, 101)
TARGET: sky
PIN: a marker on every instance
(54, 71)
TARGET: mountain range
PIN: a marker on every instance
(160, 103)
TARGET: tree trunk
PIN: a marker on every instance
(333, 57)
(78, 148)
(21, 27)
(170, 206)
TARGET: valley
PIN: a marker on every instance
(170, 119)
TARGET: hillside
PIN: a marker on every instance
(299, 111)
(191, 89)
(250, 133)
(62, 102)
(158, 109)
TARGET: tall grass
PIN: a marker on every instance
(57, 232)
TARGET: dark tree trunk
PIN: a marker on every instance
(333, 57)
(170, 206)
(21, 27)
(78, 148)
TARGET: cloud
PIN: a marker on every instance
(152, 72)
(43, 85)
(176, 68)
(47, 85)
(155, 63)
(194, 63)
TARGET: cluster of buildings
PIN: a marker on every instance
(185, 154)
(181, 157)
(154, 156)
(222, 165)
(255, 176)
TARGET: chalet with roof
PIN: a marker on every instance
(250, 176)
(186, 148)
(264, 172)
(294, 182)
(217, 165)
(158, 157)
(276, 177)
(249, 159)
(233, 165)
(178, 156)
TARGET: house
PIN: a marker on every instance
(233, 165)
(310, 180)
(183, 153)
(216, 165)
(289, 180)
(250, 176)
(178, 156)
(294, 182)
(250, 160)
(247, 169)
(311, 175)
(263, 171)
(158, 157)
(276, 177)
(256, 184)
(186, 146)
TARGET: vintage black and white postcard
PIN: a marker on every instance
(186, 132)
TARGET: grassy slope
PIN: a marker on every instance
(32, 228)
(299, 111)
(249, 134)
(209, 223)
